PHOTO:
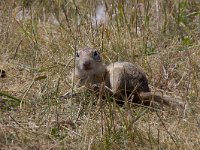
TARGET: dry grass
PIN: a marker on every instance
(38, 40)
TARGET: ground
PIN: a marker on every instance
(38, 40)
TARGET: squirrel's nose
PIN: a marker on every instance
(87, 65)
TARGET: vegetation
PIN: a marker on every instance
(38, 39)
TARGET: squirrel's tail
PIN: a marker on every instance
(164, 100)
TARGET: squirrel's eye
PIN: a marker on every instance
(77, 55)
(96, 55)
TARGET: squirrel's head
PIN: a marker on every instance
(88, 61)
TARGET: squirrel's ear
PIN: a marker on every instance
(2, 74)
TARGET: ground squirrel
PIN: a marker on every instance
(120, 78)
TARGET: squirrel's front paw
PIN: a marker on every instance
(68, 95)
(96, 86)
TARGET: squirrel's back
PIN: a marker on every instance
(127, 76)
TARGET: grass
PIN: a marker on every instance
(38, 40)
